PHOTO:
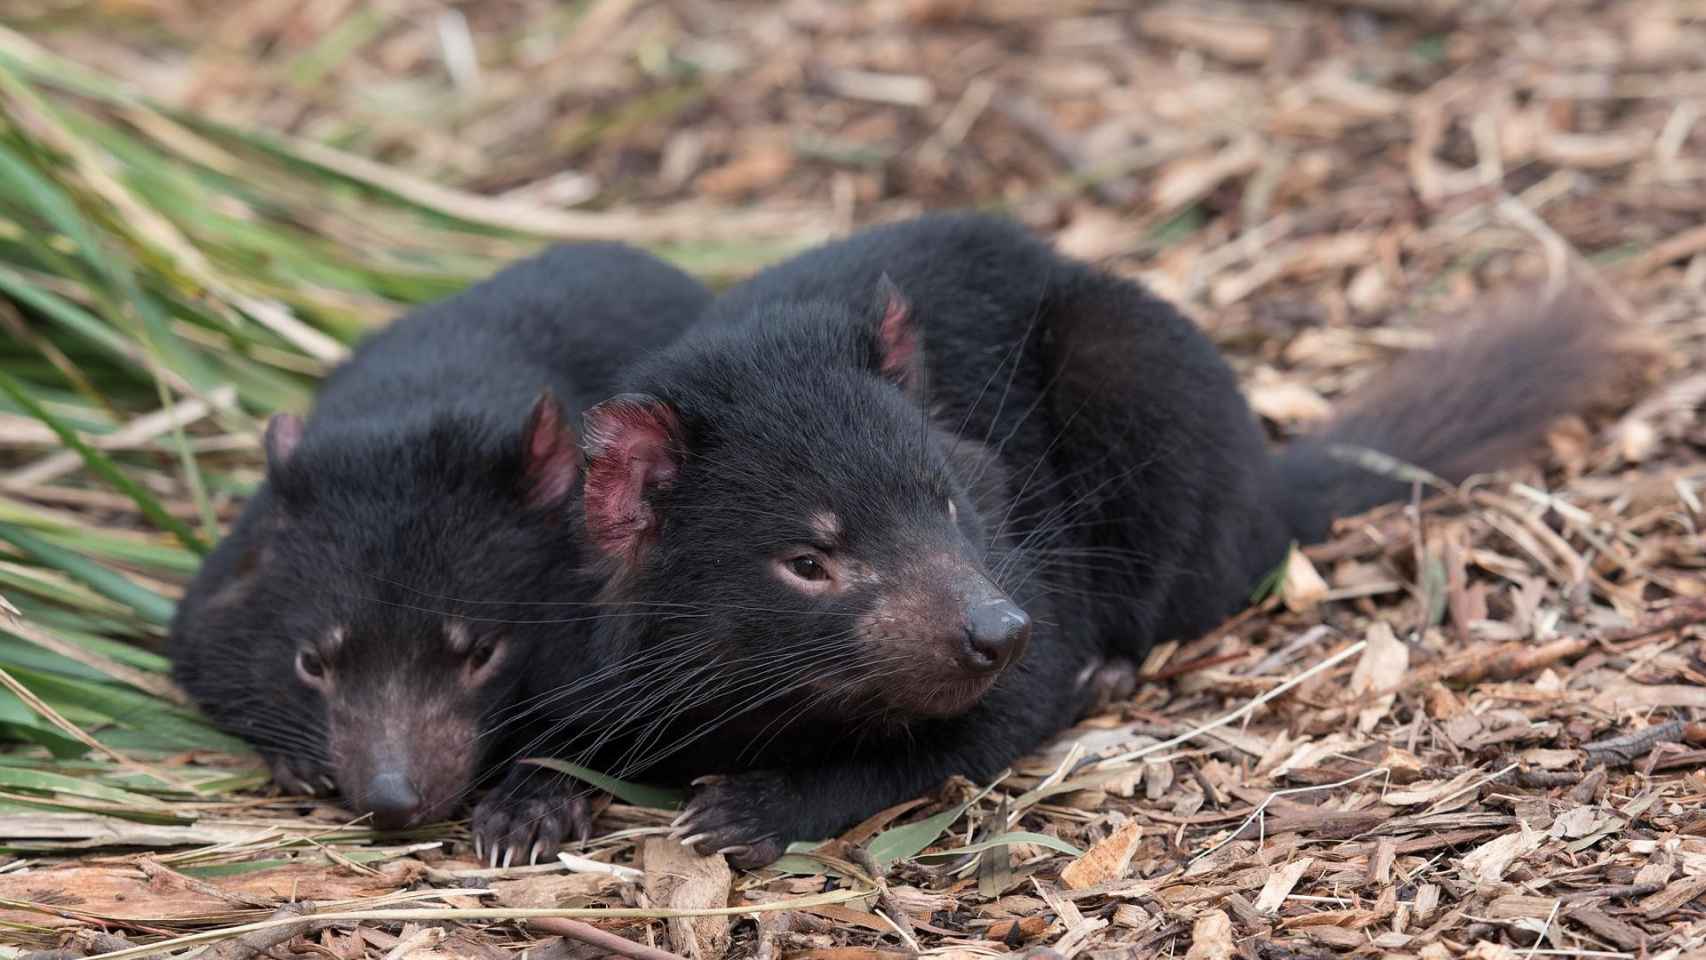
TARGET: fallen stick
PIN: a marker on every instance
(604, 940)
(1625, 750)
(258, 942)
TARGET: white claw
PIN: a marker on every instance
(509, 855)
(479, 852)
(707, 778)
(692, 843)
(493, 861)
(330, 784)
(677, 821)
(533, 858)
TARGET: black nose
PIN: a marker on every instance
(392, 801)
(996, 634)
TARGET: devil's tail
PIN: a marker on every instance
(1476, 402)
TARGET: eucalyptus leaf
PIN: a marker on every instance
(638, 794)
(903, 843)
(1002, 840)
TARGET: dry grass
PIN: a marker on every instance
(1506, 759)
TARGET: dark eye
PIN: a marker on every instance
(310, 664)
(807, 568)
(482, 653)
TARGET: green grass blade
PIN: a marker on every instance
(41, 781)
(106, 582)
(102, 466)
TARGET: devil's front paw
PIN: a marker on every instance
(299, 777)
(744, 816)
(529, 814)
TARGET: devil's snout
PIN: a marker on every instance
(394, 802)
(996, 632)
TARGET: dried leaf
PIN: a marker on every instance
(1488, 862)
(1381, 667)
(1106, 861)
(1428, 791)
(1280, 885)
(1301, 587)
(1018, 928)
(678, 879)
(1310, 755)
(553, 890)
(1576, 822)
(1211, 937)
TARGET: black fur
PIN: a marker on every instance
(408, 505)
(1105, 472)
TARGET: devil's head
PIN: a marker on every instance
(389, 590)
(774, 499)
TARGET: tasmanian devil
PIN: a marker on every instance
(886, 513)
(372, 613)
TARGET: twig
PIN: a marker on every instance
(576, 864)
(1545, 927)
(1625, 750)
(564, 861)
(85, 940)
(487, 913)
(1546, 779)
(898, 89)
(604, 940)
(156, 871)
(972, 103)
(297, 922)
(1608, 893)
(896, 913)
(1501, 662)
(1684, 244)
(1684, 614)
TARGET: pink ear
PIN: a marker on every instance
(550, 459)
(631, 449)
(897, 337)
(283, 433)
